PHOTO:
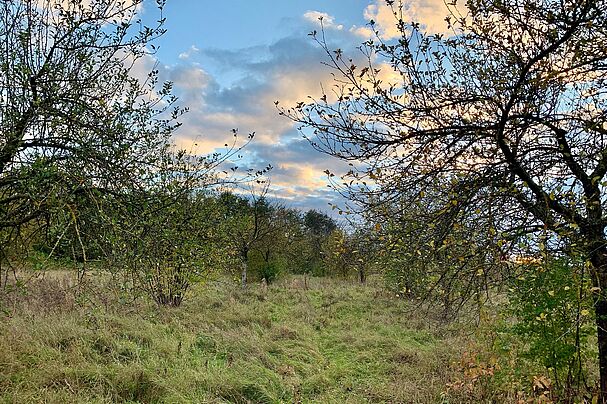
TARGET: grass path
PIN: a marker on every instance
(334, 342)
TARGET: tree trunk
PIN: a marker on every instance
(243, 275)
(598, 259)
(15, 139)
(244, 256)
(362, 277)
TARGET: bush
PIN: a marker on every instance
(163, 244)
(269, 272)
(556, 323)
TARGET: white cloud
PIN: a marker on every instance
(298, 176)
(141, 66)
(189, 53)
(328, 21)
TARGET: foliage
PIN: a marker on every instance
(337, 255)
(441, 258)
(557, 324)
(318, 228)
(506, 112)
(260, 232)
(318, 223)
(299, 244)
(292, 244)
(161, 245)
(269, 271)
(73, 120)
(349, 253)
(167, 235)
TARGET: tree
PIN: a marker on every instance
(508, 112)
(318, 223)
(164, 238)
(438, 249)
(248, 222)
(72, 117)
(337, 253)
(284, 251)
(345, 253)
(319, 227)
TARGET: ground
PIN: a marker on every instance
(324, 341)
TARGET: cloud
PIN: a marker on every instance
(298, 177)
(111, 10)
(429, 13)
(251, 79)
(189, 53)
(364, 32)
(287, 71)
(192, 81)
(324, 19)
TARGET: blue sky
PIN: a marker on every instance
(235, 24)
(231, 60)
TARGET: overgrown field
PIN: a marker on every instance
(327, 342)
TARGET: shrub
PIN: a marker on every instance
(554, 325)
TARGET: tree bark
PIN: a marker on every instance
(244, 256)
(598, 259)
(243, 274)
(362, 277)
(15, 139)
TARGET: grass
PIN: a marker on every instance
(332, 342)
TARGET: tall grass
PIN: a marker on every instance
(327, 342)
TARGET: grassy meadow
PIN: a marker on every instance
(325, 341)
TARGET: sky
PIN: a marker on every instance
(231, 60)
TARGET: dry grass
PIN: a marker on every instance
(329, 342)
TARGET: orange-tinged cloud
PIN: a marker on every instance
(287, 87)
(429, 13)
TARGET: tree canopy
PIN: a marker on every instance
(507, 112)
